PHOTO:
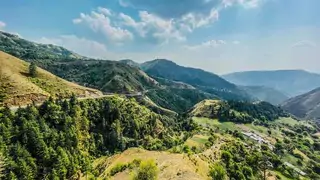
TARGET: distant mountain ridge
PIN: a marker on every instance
(24, 49)
(290, 82)
(304, 106)
(203, 80)
(105, 75)
(267, 94)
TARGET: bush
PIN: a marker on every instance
(186, 149)
(297, 155)
(32, 69)
(218, 172)
(148, 170)
(118, 168)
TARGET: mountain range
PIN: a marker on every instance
(289, 82)
(166, 83)
(305, 106)
(120, 77)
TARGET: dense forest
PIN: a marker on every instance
(60, 138)
(238, 111)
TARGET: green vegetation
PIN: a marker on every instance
(238, 112)
(60, 138)
(147, 171)
(33, 70)
(176, 99)
(113, 137)
(120, 167)
(119, 77)
(218, 172)
(17, 87)
(2, 165)
(305, 106)
(18, 47)
(267, 94)
(202, 80)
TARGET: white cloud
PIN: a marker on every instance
(194, 21)
(2, 25)
(79, 45)
(104, 11)
(304, 44)
(207, 44)
(149, 24)
(155, 27)
(100, 22)
(123, 3)
(244, 3)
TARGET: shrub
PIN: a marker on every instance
(218, 172)
(148, 170)
(118, 168)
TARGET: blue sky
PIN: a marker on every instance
(216, 35)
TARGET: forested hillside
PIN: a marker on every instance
(60, 139)
(305, 106)
(24, 49)
(107, 76)
(267, 94)
(19, 87)
(205, 81)
(238, 112)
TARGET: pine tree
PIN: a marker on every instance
(32, 69)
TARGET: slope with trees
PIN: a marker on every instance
(59, 139)
(304, 106)
(205, 81)
(267, 94)
(22, 83)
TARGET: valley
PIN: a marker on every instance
(66, 116)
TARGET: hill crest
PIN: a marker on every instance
(18, 88)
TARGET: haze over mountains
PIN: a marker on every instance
(290, 82)
(305, 106)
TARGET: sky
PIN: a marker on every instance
(220, 36)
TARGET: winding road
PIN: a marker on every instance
(15, 108)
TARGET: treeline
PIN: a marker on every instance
(244, 112)
(241, 162)
(59, 139)
(261, 110)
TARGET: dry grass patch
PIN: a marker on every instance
(171, 166)
(21, 89)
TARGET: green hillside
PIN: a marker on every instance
(24, 49)
(305, 106)
(107, 76)
(267, 94)
(18, 87)
(205, 81)
(60, 139)
(239, 112)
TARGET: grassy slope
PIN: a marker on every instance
(171, 166)
(21, 89)
(196, 166)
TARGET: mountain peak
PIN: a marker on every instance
(163, 61)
